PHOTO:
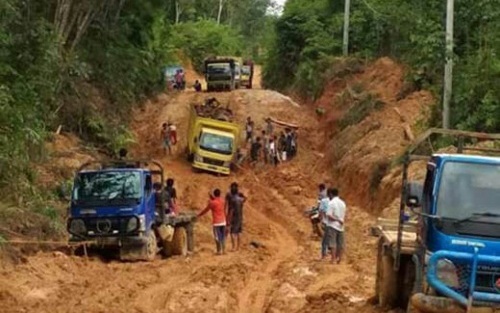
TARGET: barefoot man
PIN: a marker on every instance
(234, 212)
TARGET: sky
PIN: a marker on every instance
(280, 3)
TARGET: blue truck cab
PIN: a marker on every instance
(443, 253)
(116, 206)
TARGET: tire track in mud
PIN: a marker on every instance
(256, 295)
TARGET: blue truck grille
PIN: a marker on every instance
(485, 279)
(104, 227)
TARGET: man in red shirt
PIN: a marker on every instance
(216, 205)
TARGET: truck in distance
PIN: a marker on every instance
(220, 73)
(247, 74)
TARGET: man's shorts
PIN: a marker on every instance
(236, 226)
(219, 233)
(334, 238)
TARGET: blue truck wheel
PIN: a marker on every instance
(151, 246)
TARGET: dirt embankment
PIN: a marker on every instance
(370, 118)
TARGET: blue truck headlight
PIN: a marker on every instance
(447, 273)
(77, 227)
(136, 223)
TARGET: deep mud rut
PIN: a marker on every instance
(282, 274)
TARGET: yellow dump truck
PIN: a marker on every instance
(213, 137)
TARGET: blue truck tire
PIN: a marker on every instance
(151, 246)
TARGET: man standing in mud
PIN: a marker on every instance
(334, 233)
(218, 220)
(234, 212)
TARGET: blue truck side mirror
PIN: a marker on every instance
(414, 193)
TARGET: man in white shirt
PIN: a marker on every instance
(334, 233)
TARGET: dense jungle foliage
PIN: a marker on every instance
(309, 35)
(83, 64)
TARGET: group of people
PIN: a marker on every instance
(227, 217)
(270, 147)
(332, 211)
(168, 136)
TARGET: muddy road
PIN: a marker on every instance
(283, 274)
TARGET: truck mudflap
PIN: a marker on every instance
(466, 267)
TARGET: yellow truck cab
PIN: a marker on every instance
(213, 138)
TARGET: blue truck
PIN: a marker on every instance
(443, 252)
(121, 206)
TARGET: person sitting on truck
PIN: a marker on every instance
(216, 205)
(197, 86)
(172, 195)
(165, 138)
(158, 197)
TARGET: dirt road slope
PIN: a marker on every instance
(282, 275)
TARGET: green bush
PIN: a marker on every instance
(360, 110)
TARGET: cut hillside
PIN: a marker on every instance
(369, 125)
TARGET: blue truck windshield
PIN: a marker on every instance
(216, 143)
(108, 187)
(467, 189)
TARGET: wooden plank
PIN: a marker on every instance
(285, 124)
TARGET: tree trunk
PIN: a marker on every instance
(178, 12)
(219, 14)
